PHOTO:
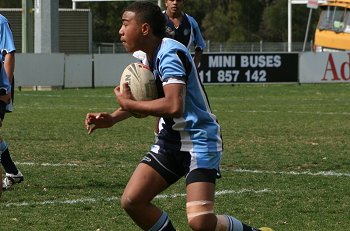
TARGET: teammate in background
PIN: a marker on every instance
(7, 59)
(189, 142)
(183, 28)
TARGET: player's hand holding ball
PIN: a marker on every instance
(123, 93)
(136, 83)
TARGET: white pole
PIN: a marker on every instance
(289, 26)
(307, 29)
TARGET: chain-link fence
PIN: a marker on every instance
(111, 48)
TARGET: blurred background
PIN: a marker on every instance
(227, 25)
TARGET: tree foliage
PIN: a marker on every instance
(220, 20)
(275, 22)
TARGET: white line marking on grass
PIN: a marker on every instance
(66, 106)
(218, 193)
(67, 96)
(296, 112)
(48, 164)
(161, 196)
(322, 173)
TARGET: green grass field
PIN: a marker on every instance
(286, 162)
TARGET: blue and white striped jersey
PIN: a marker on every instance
(197, 129)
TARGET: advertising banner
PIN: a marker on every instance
(324, 67)
(230, 68)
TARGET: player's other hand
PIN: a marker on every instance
(98, 120)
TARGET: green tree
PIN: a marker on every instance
(222, 23)
(235, 20)
(250, 19)
(197, 9)
(274, 27)
(219, 20)
(216, 26)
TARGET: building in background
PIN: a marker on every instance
(75, 29)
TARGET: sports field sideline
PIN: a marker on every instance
(286, 159)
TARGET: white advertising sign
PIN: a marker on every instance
(324, 67)
(313, 4)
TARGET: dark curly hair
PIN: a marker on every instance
(148, 12)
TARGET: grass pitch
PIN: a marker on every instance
(286, 161)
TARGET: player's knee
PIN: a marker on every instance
(127, 203)
(200, 215)
(131, 203)
(205, 222)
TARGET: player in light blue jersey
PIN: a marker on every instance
(7, 59)
(189, 143)
(6, 46)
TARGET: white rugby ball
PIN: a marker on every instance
(140, 80)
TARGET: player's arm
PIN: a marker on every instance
(197, 56)
(9, 65)
(104, 119)
(171, 105)
(199, 43)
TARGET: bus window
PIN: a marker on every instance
(347, 22)
(332, 18)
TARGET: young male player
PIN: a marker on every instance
(7, 59)
(189, 142)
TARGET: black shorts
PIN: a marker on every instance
(3, 106)
(172, 165)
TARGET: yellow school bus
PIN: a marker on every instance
(333, 29)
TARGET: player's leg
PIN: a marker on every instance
(143, 186)
(159, 169)
(13, 175)
(200, 204)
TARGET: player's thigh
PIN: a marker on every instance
(144, 184)
(200, 191)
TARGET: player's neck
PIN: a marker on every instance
(152, 48)
(176, 19)
(178, 15)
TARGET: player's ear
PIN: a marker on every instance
(146, 29)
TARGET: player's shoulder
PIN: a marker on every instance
(191, 19)
(3, 19)
(171, 44)
(171, 47)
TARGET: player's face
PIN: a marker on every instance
(130, 32)
(174, 6)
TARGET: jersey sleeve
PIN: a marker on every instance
(170, 66)
(6, 39)
(198, 39)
